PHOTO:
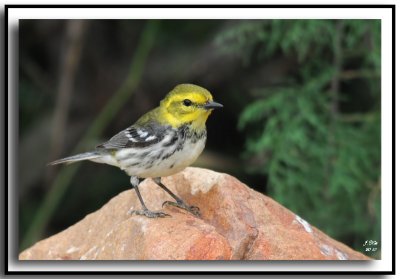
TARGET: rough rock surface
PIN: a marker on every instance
(237, 223)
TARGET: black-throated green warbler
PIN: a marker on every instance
(162, 142)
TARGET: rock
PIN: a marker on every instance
(237, 223)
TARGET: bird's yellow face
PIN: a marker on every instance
(188, 103)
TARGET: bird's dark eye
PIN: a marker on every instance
(187, 102)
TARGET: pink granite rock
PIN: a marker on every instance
(237, 223)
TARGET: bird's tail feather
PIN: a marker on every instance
(78, 157)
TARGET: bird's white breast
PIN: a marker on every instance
(150, 161)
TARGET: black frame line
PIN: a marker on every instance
(200, 272)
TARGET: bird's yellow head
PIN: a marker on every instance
(188, 104)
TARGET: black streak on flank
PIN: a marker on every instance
(150, 165)
(171, 166)
(180, 145)
(159, 155)
(171, 142)
(133, 165)
(167, 155)
(144, 155)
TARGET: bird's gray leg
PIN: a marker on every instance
(179, 202)
(135, 181)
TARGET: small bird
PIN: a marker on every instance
(162, 142)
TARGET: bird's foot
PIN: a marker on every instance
(192, 209)
(149, 213)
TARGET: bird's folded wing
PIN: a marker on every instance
(136, 137)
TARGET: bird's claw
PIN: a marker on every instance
(192, 209)
(149, 214)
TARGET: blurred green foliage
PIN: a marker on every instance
(316, 133)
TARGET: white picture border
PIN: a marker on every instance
(385, 15)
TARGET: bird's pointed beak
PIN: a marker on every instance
(213, 105)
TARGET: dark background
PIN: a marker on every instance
(300, 123)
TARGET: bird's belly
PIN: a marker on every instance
(167, 161)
